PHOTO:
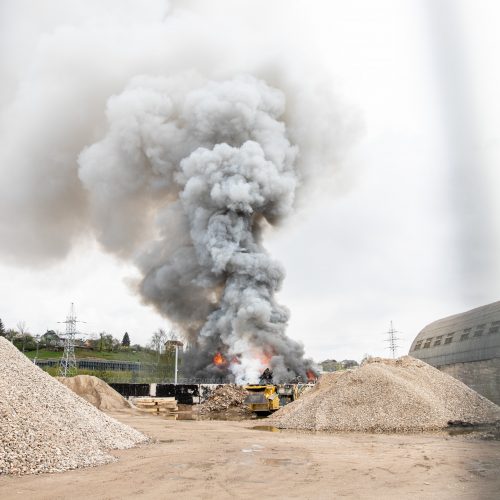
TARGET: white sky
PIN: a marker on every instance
(411, 233)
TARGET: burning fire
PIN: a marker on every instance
(219, 359)
(311, 375)
(265, 359)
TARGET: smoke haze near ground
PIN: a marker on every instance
(176, 148)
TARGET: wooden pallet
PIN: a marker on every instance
(156, 405)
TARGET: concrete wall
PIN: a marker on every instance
(482, 376)
(183, 393)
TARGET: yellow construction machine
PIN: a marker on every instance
(266, 397)
(262, 399)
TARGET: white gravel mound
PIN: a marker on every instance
(45, 427)
(403, 395)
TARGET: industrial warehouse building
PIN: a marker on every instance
(467, 347)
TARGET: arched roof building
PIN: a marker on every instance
(467, 346)
(470, 336)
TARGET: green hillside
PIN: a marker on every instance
(125, 355)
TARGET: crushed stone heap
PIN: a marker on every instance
(45, 427)
(224, 398)
(383, 395)
(95, 391)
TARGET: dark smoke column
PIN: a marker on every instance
(228, 193)
(197, 169)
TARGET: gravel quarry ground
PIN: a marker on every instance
(225, 459)
(47, 428)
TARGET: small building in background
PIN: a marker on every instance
(467, 347)
(329, 365)
(171, 344)
(332, 365)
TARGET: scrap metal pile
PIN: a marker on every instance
(224, 398)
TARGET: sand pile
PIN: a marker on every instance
(224, 398)
(95, 391)
(45, 427)
(383, 395)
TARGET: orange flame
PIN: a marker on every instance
(311, 375)
(219, 359)
(265, 359)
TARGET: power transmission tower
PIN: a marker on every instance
(67, 366)
(392, 339)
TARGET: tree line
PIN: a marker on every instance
(101, 342)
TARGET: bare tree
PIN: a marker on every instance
(157, 342)
(23, 331)
(172, 335)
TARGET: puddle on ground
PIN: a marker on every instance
(268, 428)
(460, 431)
(277, 461)
(195, 416)
(487, 432)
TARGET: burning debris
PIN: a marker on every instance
(219, 360)
(224, 398)
(266, 377)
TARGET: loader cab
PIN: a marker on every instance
(262, 398)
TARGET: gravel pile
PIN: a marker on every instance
(45, 427)
(402, 395)
(224, 398)
(95, 391)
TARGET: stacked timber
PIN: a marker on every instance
(156, 405)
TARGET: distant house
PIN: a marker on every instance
(170, 345)
(84, 344)
(51, 340)
(329, 365)
(89, 344)
(348, 363)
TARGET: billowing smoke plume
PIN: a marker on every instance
(177, 143)
(212, 162)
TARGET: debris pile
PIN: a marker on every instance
(45, 427)
(95, 391)
(224, 398)
(403, 395)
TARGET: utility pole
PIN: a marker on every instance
(37, 338)
(176, 357)
(67, 366)
(392, 339)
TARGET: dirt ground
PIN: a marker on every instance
(227, 459)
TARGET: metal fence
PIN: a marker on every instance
(128, 372)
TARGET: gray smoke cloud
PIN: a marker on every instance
(177, 151)
(213, 161)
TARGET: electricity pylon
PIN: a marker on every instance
(392, 339)
(67, 366)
